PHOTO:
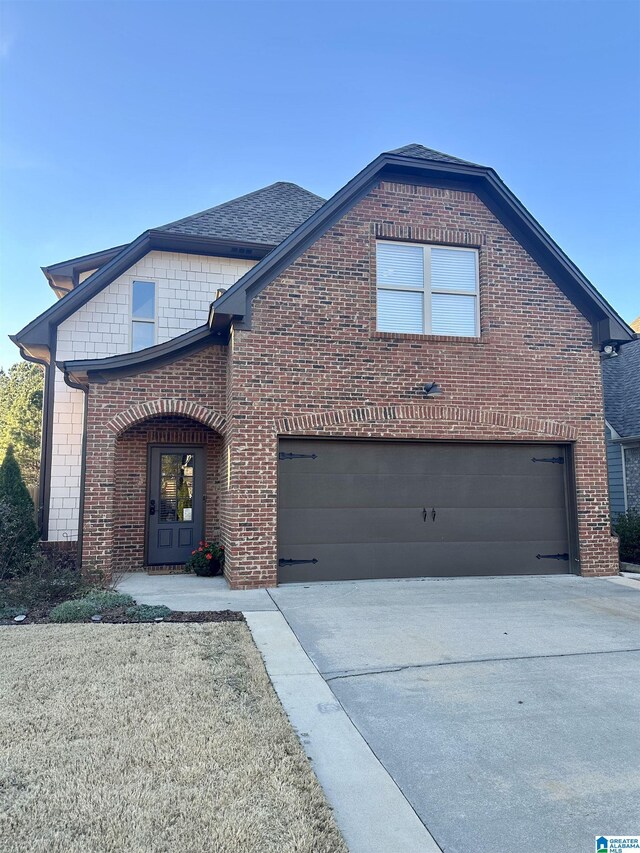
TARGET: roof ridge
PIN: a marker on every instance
(450, 157)
(230, 201)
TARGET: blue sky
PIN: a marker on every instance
(120, 116)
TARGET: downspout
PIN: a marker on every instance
(83, 462)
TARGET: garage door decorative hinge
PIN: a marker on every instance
(297, 456)
(295, 562)
(555, 460)
(552, 556)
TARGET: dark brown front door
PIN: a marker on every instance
(365, 509)
(176, 507)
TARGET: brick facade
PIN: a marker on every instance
(313, 364)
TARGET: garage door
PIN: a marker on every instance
(364, 509)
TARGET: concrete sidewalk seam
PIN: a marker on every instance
(359, 673)
(370, 808)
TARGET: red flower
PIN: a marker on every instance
(208, 556)
(192, 553)
(200, 548)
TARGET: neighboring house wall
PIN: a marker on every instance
(615, 470)
(313, 364)
(632, 468)
(185, 287)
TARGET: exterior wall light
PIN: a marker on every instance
(432, 389)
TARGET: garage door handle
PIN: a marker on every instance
(424, 514)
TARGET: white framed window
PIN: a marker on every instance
(143, 314)
(427, 290)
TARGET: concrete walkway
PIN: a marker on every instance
(502, 711)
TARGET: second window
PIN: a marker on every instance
(427, 290)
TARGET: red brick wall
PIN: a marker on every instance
(313, 364)
(123, 416)
(313, 348)
(131, 487)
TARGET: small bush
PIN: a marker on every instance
(106, 599)
(41, 583)
(148, 612)
(207, 559)
(72, 611)
(627, 526)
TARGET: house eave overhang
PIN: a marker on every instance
(626, 439)
(37, 332)
(37, 353)
(607, 325)
(83, 372)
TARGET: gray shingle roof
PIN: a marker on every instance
(422, 153)
(265, 216)
(621, 377)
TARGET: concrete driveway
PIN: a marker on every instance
(506, 710)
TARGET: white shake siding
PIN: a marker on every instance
(185, 287)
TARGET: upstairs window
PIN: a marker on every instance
(143, 314)
(427, 290)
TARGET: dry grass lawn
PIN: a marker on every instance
(149, 738)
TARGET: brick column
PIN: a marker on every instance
(99, 490)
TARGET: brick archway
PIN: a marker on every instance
(501, 422)
(152, 408)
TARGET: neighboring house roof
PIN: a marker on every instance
(621, 377)
(413, 162)
(296, 217)
(636, 325)
(265, 216)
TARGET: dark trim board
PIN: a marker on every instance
(82, 372)
(607, 325)
(36, 332)
(353, 509)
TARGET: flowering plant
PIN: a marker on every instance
(207, 559)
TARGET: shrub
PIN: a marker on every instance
(72, 611)
(207, 559)
(627, 526)
(41, 582)
(148, 612)
(106, 599)
(18, 529)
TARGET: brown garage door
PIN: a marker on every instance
(365, 509)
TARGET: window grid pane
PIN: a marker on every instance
(453, 270)
(453, 315)
(142, 335)
(143, 299)
(400, 311)
(400, 266)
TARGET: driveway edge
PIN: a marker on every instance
(372, 813)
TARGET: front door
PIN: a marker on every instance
(176, 504)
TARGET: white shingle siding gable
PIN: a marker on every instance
(185, 287)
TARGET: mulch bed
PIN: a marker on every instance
(40, 616)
